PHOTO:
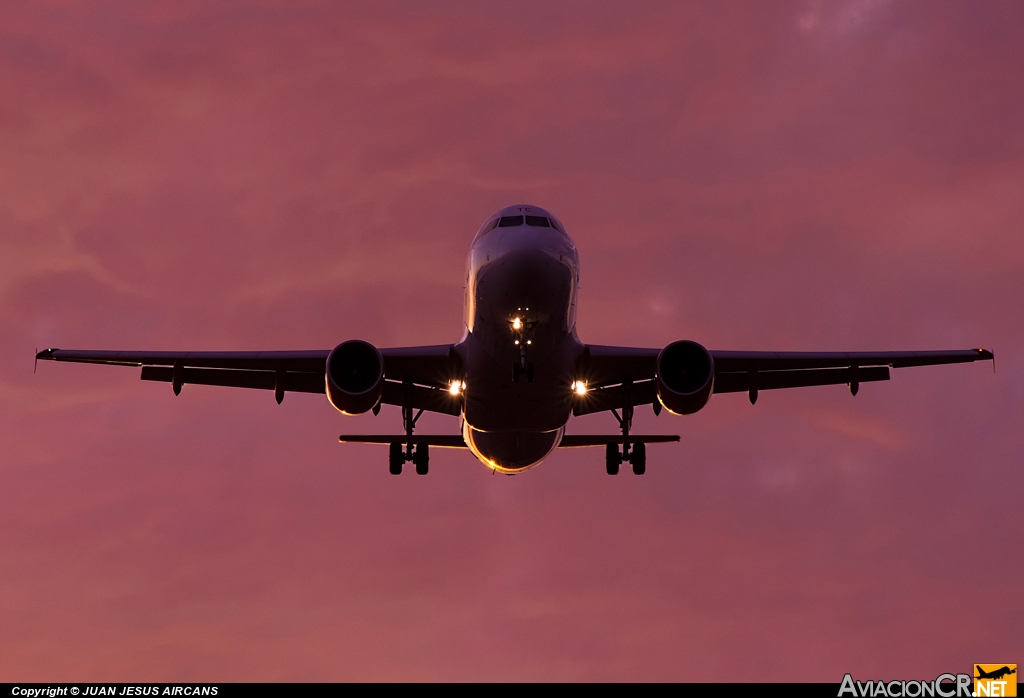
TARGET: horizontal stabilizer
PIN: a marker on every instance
(584, 440)
(436, 440)
(456, 441)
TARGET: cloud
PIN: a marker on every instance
(797, 176)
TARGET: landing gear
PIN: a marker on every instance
(518, 370)
(421, 458)
(612, 458)
(635, 453)
(522, 328)
(399, 453)
(639, 458)
(396, 457)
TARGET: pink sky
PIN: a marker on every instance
(812, 175)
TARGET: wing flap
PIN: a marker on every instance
(774, 380)
(232, 378)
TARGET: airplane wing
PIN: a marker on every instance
(612, 373)
(427, 369)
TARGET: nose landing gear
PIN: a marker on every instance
(520, 369)
(522, 330)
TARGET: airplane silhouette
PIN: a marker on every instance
(520, 370)
(997, 674)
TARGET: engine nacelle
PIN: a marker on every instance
(355, 376)
(686, 374)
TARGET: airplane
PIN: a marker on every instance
(520, 370)
(995, 675)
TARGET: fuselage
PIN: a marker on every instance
(520, 348)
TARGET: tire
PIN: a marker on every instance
(612, 458)
(395, 458)
(421, 458)
(639, 459)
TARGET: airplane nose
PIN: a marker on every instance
(523, 279)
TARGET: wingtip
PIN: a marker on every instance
(986, 355)
(46, 354)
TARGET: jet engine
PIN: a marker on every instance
(355, 376)
(685, 373)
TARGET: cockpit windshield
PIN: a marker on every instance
(515, 221)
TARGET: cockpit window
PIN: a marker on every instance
(510, 221)
(538, 221)
(490, 226)
(556, 226)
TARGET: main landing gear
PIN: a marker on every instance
(636, 453)
(417, 454)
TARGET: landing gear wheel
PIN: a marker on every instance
(639, 459)
(421, 458)
(612, 458)
(395, 458)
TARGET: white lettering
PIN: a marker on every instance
(963, 685)
(847, 686)
(938, 685)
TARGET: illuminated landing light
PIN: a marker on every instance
(517, 324)
(456, 387)
(579, 387)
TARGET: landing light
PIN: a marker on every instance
(579, 387)
(517, 324)
(456, 387)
